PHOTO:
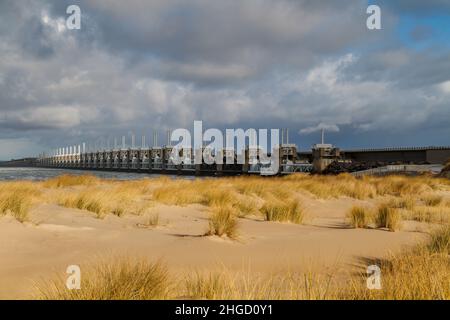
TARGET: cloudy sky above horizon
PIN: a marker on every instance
(136, 66)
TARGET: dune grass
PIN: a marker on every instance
(91, 200)
(103, 201)
(217, 197)
(289, 210)
(15, 204)
(16, 199)
(440, 241)
(253, 186)
(326, 187)
(227, 285)
(123, 278)
(223, 222)
(179, 195)
(440, 214)
(359, 217)
(119, 210)
(407, 203)
(432, 200)
(419, 273)
(246, 205)
(387, 217)
(67, 180)
(211, 286)
(246, 194)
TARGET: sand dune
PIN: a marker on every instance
(297, 224)
(56, 237)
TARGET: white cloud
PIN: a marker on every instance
(319, 127)
(44, 117)
(58, 24)
(326, 75)
(445, 86)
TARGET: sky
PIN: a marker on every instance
(137, 66)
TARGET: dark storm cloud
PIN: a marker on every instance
(139, 65)
(199, 39)
(403, 69)
(35, 38)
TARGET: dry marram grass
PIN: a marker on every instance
(123, 278)
(418, 273)
(283, 211)
(359, 217)
(223, 222)
(387, 217)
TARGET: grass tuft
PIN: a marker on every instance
(223, 222)
(70, 181)
(92, 200)
(289, 211)
(121, 279)
(438, 214)
(432, 200)
(387, 217)
(359, 217)
(16, 199)
(440, 241)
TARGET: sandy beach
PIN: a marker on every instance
(54, 236)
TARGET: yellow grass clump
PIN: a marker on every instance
(121, 279)
(359, 216)
(438, 214)
(181, 194)
(417, 275)
(95, 201)
(250, 186)
(289, 210)
(16, 199)
(217, 197)
(227, 285)
(223, 222)
(387, 217)
(71, 180)
(211, 286)
(407, 203)
(245, 205)
(433, 200)
(440, 241)
(104, 199)
(326, 187)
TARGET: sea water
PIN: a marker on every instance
(38, 174)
